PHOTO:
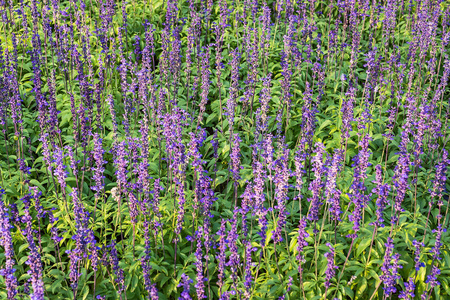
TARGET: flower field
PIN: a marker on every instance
(229, 149)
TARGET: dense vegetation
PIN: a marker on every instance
(228, 149)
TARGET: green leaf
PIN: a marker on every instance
(85, 292)
(38, 184)
(349, 292)
(363, 245)
(362, 286)
(57, 284)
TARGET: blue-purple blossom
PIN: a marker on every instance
(331, 267)
(390, 268)
(417, 247)
(34, 258)
(99, 165)
(185, 283)
(199, 285)
(408, 293)
(7, 243)
(316, 184)
(381, 191)
(301, 244)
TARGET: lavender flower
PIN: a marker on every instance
(400, 180)
(408, 293)
(382, 191)
(114, 262)
(222, 255)
(80, 238)
(6, 242)
(248, 269)
(332, 193)
(358, 196)
(316, 185)
(121, 163)
(205, 82)
(390, 268)
(185, 283)
(301, 243)
(436, 249)
(99, 168)
(110, 101)
(234, 87)
(235, 157)
(259, 198)
(34, 258)
(154, 292)
(333, 171)
(432, 277)
(347, 112)
(281, 177)
(308, 115)
(54, 230)
(181, 205)
(331, 267)
(23, 167)
(59, 170)
(440, 178)
(145, 264)
(73, 162)
(299, 162)
(262, 112)
(233, 238)
(417, 246)
(199, 286)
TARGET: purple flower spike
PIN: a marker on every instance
(7, 243)
(331, 267)
(185, 283)
(408, 293)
